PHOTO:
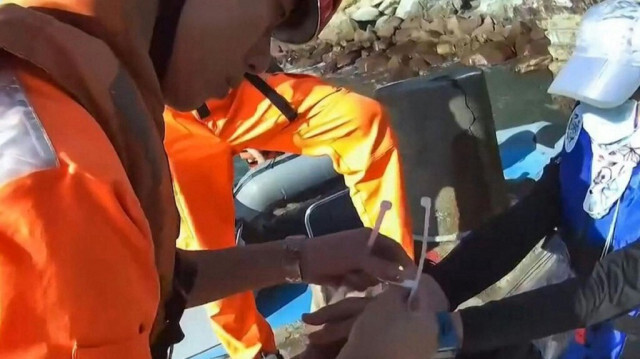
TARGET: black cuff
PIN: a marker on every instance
(520, 318)
(444, 273)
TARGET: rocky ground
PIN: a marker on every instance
(390, 40)
(406, 48)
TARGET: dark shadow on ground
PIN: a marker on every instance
(549, 135)
(515, 148)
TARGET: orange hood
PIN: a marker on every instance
(97, 82)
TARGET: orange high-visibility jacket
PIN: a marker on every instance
(88, 222)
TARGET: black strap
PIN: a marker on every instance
(184, 277)
(272, 95)
(203, 111)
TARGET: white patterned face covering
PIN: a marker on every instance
(615, 142)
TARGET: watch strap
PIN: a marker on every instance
(447, 335)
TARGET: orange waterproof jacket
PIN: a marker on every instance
(88, 222)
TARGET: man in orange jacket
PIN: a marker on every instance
(351, 129)
(88, 261)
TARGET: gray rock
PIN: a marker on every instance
(445, 49)
(433, 59)
(366, 13)
(381, 44)
(386, 26)
(388, 4)
(390, 11)
(533, 63)
(556, 66)
(401, 72)
(459, 25)
(440, 9)
(561, 30)
(404, 35)
(320, 51)
(410, 8)
(402, 50)
(340, 28)
(330, 67)
(347, 58)
(419, 65)
(465, 6)
(397, 62)
(535, 48)
(412, 23)
(438, 25)
(375, 62)
(328, 57)
(306, 62)
(364, 37)
(381, 22)
(492, 53)
(517, 30)
(417, 35)
(425, 48)
(352, 46)
(488, 26)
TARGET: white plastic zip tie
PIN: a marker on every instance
(426, 203)
(384, 207)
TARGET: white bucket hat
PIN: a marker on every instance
(604, 70)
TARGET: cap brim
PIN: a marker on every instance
(597, 81)
(302, 25)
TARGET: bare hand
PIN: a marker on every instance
(432, 295)
(388, 329)
(344, 259)
(335, 321)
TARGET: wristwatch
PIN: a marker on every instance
(292, 257)
(448, 343)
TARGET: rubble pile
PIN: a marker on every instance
(375, 41)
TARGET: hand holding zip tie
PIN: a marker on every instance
(358, 259)
(337, 318)
(385, 206)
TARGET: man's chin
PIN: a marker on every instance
(183, 103)
(220, 92)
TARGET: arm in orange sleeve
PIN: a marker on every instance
(351, 129)
(77, 273)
